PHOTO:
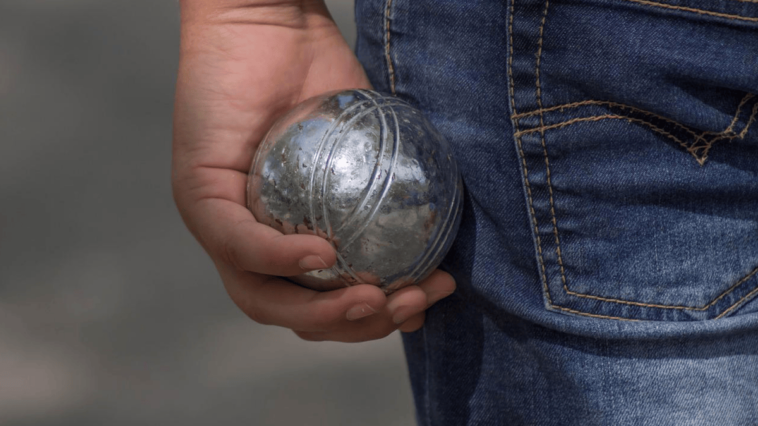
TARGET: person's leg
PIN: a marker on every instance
(607, 263)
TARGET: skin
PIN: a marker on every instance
(242, 64)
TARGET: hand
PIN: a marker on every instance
(242, 64)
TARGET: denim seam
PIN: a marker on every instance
(550, 187)
(611, 104)
(699, 158)
(698, 11)
(542, 129)
(742, 103)
(523, 159)
(738, 303)
(587, 314)
(650, 305)
(730, 128)
(544, 146)
(740, 135)
(546, 291)
(388, 57)
(555, 229)
(604, 117)
(700, 152)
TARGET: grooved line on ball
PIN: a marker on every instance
(387, 181)
(337, 122)
(351, 217)
(316, 157)
(328, 162)
(325, 178)
(440, 242)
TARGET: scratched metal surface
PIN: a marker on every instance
(370, 174)
(110, 313)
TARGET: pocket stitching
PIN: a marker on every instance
(388, 57)
(542, 128)
(738, 303)
(518, 135)
(699, 151)
(541, 259)
(740, 135)
(698, 11)
(544, 146)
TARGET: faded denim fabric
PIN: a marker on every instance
(607, 262)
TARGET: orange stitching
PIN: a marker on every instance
(544, 146)
(699, 11)
(627, 302)
(739, 302)
(555, 228)
(736, 118)
(612, 104)
(729, 129)
(693, 149)
(515, 115)
(523, 162)
(592, 315)
(652, 305)
(534, 221)
(604, 117)
(390, 67)
(539, 58)
(740, 135)
(542, 129)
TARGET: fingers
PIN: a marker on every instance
(438, 285)
(404, 311)
(414, 323)
(231, 235)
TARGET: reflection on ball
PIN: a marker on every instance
(368, 173)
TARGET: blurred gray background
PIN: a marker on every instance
(110, 313)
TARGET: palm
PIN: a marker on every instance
(239, 87)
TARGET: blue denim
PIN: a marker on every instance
(607, 262)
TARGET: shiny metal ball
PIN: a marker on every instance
(368, 173)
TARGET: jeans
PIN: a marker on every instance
(607, 262)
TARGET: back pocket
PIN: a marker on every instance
(634, 124)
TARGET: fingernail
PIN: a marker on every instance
(436, 296)
(401, 314)
(313, 262)
(359, 311)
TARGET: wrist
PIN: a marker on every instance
(299, 14)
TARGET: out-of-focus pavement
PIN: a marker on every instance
(110, 313)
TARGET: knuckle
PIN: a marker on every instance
(230, 250)
(230, 254)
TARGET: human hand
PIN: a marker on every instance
(243, 63)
